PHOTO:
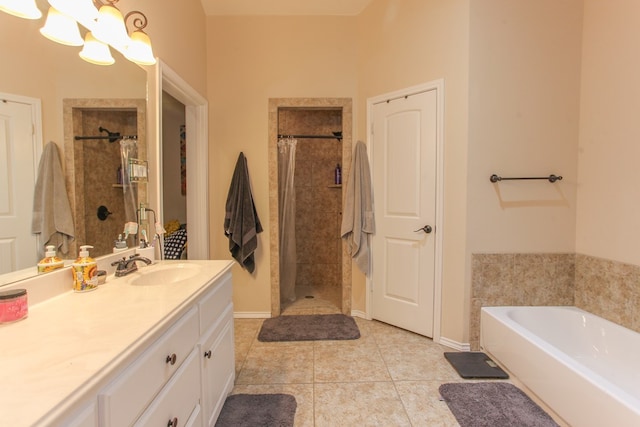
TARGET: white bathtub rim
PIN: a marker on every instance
(612, 390)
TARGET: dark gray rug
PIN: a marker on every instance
(493, 404)
(475, 364)
(309, 328)
(251, 410)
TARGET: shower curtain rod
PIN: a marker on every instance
(336, 135)
(110, 138)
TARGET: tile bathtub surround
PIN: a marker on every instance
(609, 289)
(518, 279)
(388, 377)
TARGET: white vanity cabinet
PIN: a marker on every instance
(154, 347)
(190, 368)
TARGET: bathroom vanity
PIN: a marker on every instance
(153, 348)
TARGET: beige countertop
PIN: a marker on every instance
(72, 343)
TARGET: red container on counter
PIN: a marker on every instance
(13, 305)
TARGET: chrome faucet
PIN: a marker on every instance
(126, 266)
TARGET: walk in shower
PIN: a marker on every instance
(310, 258)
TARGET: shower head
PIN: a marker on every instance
(113, 136)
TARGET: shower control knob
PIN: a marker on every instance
(427, 229)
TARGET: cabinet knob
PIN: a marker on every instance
(207, 354)
(173, 422)
(171, 359)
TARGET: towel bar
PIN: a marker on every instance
(551, 178)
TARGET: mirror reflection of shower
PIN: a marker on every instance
(310, 206)
(104, 141)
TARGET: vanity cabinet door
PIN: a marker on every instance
(218, 367)
(122, 401)
(178, 404)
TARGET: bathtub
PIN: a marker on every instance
(583, 367)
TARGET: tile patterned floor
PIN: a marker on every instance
(388, 377)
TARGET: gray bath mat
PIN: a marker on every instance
(493, 404)
(309, 328)
(475, 364)
(250, 410)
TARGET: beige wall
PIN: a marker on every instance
(524, 113)
(608, 204)
(252, 59)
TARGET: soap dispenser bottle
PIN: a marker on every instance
(337, 175)
(120, 244)
(50, 261)
(85, 270)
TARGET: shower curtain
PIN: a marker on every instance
(129, 150)
(287, 218)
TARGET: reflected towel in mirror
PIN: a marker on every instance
(52, 217)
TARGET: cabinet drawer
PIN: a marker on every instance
(179, 401)
(121, 402)
(218, 366)
(213, 304)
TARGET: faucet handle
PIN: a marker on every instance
(119, 262)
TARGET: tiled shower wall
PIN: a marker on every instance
(606, 288)
(318, 202)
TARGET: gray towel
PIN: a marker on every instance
(241, 223)
(52, 217)
(357, 219)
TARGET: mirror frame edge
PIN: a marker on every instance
(161, 78)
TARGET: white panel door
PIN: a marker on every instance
(404, 179)
(18, 163)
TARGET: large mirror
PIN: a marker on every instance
(75, 97)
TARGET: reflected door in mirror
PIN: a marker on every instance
(18, 160)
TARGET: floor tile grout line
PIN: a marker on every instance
(395, 387)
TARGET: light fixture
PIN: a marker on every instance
(83, 11)
(61, 28)
(139, 49)
(21, 8)
(106, 28)
(96, 52)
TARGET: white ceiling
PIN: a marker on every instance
(284, 7)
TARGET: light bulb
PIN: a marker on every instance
(61, 28)
(21, 8)
(139, 49)
(96, 52)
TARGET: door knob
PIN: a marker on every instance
(427, 229)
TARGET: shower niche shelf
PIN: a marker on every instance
(335, 186)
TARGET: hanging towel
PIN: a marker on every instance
(241, 223)
(357, 219)
(52, 217)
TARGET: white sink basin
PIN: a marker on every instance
(165, 274)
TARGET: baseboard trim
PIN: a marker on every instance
(358, 313)
(251, 315)
(455, 344)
